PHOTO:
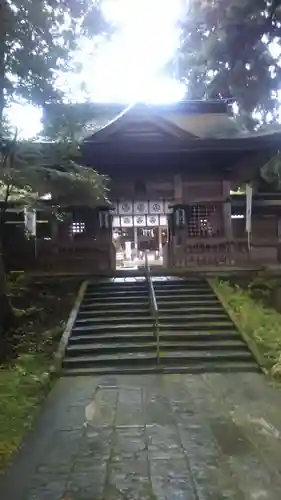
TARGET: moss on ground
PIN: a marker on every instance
(260, 324)
(42, 308)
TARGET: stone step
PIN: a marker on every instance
(163, 318)
(103, 306)
(196, 324)
(117, 296)
(111, 297)
(159, 285)
(107, 320)
(118, 289)
(104, 299)
(180, 285)
(185, 296)
(125, 283)
(114, 333)
(107, 301)
(188, 300)
(118, 347)
(222, 367)
(141, 281)
(136, 327)
(140, 293)
(145, 312)
(190, 309)
(144, 304)
(174, 358)
(183, 317)
(93, 312)
(115, 327)
(139, 337)
(188, 314)
(114, 348)
(179, 281)
(183, 290)
(105, 338)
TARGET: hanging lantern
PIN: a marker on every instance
(180, 217)
(30, 221)
(104, 219)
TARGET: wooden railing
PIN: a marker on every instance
(153, 306)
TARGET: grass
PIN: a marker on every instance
(23, 386)
(42, 308)
(260, 324)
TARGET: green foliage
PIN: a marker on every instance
(57, 118)
(45, 306)
(85, 118)
(259, 323)
(263, 285)
(30, 171)
(36, 41)
(22, 387)
(225, 53)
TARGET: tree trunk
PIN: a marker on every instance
(6, 314)
(6, 311)
(3, 213)
(3, 34)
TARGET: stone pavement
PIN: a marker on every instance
(153, 437)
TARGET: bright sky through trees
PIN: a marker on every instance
(128, 68)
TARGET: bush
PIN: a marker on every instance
(259, 323)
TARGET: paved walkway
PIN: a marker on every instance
(174, 437)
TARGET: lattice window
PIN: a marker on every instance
(78, 227)
(200, 222)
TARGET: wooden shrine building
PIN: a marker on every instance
(172, 171)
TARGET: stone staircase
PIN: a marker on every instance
(113, 332)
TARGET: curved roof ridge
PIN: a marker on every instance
(116, 118)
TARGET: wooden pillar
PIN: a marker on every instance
(136, 242)
(178, 198)
(178, 190)
(160, 239)
(227, 221)
(279, 228)
(54, 228)
(279, 239)
(105, 225)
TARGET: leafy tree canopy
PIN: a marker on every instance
(29, 171)
(36, 41)
(83, 117)
(226, 52)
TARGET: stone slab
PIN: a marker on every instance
(153, 437)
